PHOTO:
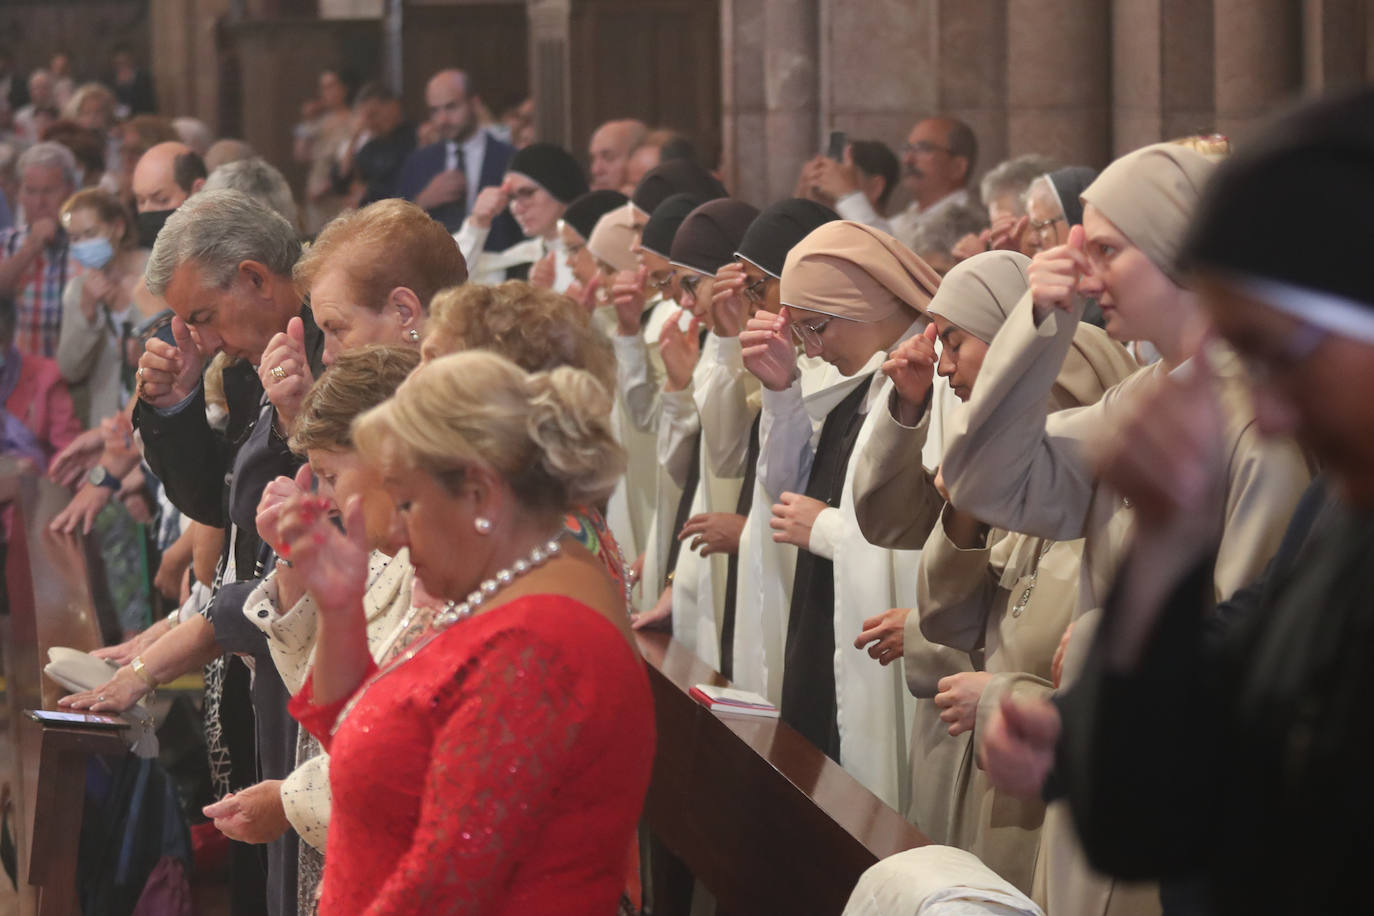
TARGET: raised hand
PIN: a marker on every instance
(443, 188)
(884, 635)
(331, 565)
(168, 374)
(628, 296)
(275, 496)
(912, 369)
(285, 372)
(121, 455)
(768, 351)
(488, 205)
(1007, 231)
(80, 513)
(680, 350)
(1055, 274)
(793, 518)
(729, 308)
(543, 273)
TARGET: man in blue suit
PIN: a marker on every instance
(444, 177)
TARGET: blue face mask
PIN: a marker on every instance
(93, 253)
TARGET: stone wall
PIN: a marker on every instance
(1081, 80)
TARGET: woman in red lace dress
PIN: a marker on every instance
(499, 765)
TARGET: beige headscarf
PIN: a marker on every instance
(979, 293)
(1150, 195)
(612, 237)
(853, 271)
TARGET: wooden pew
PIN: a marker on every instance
(759, 815)
(49, 605)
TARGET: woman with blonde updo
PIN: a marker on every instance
(468, 769)
(535, 328)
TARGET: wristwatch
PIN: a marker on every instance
(103, 478)
(142, 671)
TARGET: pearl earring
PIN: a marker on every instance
(414, 336)
(482, 524)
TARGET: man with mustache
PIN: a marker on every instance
(937, 166)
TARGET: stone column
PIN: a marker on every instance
(791, 91)
(1335, 54)
(744, 141)
(1162, 70)
(550, 76)
(1258, 60)
(1059, 80)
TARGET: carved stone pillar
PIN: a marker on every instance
(1163, 55)
(550, 76)
(1258, 59)
(1059, 80)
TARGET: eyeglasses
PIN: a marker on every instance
(1264, 368)
(661, 281)
(921, 147)
(1042, 226)
(809, 335)
(754, 291)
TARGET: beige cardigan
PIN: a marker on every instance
(305, 791)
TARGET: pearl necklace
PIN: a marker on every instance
(454, 612)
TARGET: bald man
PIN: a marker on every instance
(609, 153)
(443, 178)
(163, 178)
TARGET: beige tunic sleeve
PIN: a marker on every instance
(1008, 461)
(956, 589)
(895, 500)
(1267, 478)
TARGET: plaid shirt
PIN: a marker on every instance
(38, 292)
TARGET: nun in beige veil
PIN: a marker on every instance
(851, 293)
(1005, 598)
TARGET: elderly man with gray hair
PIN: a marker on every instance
(223, 263)
(34, 267)
(256, 177)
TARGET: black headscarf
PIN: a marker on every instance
(1067, 184)
(710, 235)
(676, 176)
(553, 168)
(663, 225)
(583, 213)
(778, 228)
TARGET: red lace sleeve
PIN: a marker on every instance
(319, 720)
(512, 720)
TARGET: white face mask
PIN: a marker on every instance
(93, 253)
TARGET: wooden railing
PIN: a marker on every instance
(49, 605)
(763, 819)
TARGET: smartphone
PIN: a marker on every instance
(834, 147)
(78, 719)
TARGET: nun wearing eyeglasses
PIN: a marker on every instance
(541, 180)
(849, 294)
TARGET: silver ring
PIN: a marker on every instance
(278, 373)
(139, 373)
(100, 699)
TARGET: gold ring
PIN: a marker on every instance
(278, 373)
